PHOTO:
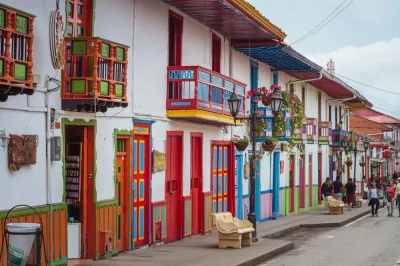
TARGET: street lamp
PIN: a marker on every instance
(234, 103)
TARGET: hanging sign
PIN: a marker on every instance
(56, 35)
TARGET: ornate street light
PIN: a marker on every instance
(366, 144)
(234, 103)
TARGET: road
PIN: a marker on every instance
(370, 241)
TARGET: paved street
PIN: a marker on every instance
(370, 241)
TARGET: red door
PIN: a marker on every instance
(319, 177)
(291, 182)
(310, 181)
(122, 166)
(222, 166)
(196, 181)
(302, 182)
(141, 176)
(173, 185)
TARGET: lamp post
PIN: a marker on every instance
(234, 103)
(348, 147)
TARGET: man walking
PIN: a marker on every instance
(337, 188)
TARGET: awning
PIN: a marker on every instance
(279, 56)
(235, 19)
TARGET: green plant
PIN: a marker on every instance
(239, 140)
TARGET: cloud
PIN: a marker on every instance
(376, 64)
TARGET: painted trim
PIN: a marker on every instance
(201, 207)
(239, 183)
(276, 182)
(213, 117)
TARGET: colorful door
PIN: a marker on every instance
(141, 176)
(302, 182)
(122, 177)
(239, 185)
(291, 182)
(319, 177)
(310, 181)
(220, 169)
(196, 180)
(173, 185)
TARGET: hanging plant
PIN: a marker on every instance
(362, 161)
(349, 162)
(269, 144)
(255, 158)
(291, 103)
(397, 163)
(240, 143)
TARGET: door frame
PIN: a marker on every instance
(128, 181)
(231, 172)
(310, 181)
(292, 189)
(201, 207)
(302, 183)
(181, 217)
(239, 182)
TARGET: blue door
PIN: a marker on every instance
(239, 185)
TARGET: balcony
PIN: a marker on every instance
(325, 133)
(16, 46)
(95, 75)
(311, 134)
(338, 136)
(300, 135)
(201, 95)
(265, 112)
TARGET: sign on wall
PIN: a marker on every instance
(56, 35)
(282, 166)
(159, 163)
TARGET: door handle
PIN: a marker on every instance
(172, 193)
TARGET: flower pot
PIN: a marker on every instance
(362, 164)
(349, 163)
(267, 146)
(241, 146)
(397, 163)
(266, 101)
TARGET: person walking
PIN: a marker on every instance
(398, 196)
(390, 195)
(350, 192)
(326, 190)
(374, 200)
(395, 176)
(365, 188)
(337, 188)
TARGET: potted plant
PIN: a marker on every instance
(269, 144)
(240, 143)
(362, 161)
(349, 162)
(397, 163)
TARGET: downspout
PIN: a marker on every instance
(133, 56)
(48, 169)
(231, 73)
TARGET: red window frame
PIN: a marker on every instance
(216, 53)
(175, 33)
(80, 21)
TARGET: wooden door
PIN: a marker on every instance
(220, 172)
(302, 182)
(122, 178)
(196, 180)
(319, 177)
(141, 177)
(310, 181)
(173, 185)
(291, 182)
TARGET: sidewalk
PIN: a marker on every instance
(203, 250)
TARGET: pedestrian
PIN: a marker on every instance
(390, 195)
(371, 180)
(365, 188)
(326, 190)
(395, 176)
(374, 200)
(384, 200)
(337, 188)
(350, 191)
(398, 195)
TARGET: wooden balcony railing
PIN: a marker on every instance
(198, 88)
(325, 133)
(95, 69)
(311, 134)
(299, 135)
(16, 48)
(338, 136)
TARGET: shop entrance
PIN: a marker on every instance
(79, 190)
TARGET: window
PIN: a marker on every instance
(291, 88)
(330, 113)
(79, 18)
(216, 53)
(319, 106)
(340, 113)
(175, 39)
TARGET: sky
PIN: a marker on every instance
(363, 41)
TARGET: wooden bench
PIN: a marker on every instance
(335, 206)
(232, 232)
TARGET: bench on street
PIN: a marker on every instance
(232, 232)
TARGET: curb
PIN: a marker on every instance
(266, 256)
(328, 225)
